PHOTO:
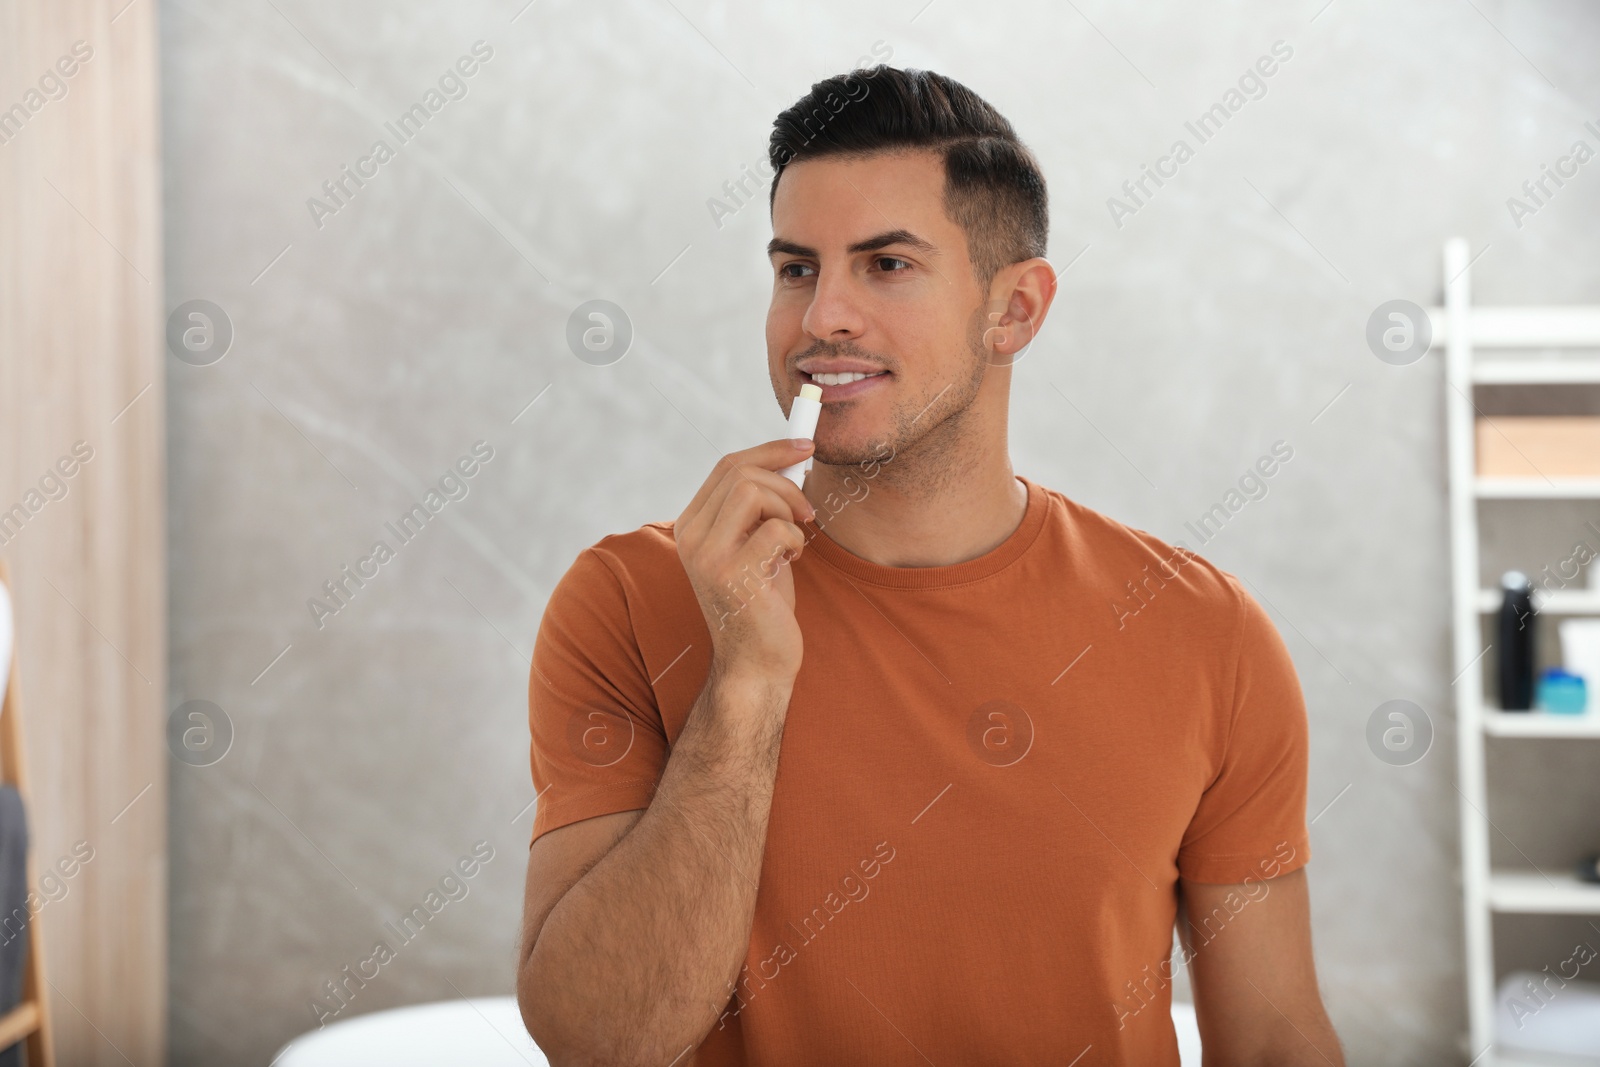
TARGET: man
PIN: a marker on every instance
(923, 763)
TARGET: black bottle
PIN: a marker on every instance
(1514, 637)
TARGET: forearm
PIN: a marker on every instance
(1307, 1041)
(635, 962)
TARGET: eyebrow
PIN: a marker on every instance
(871, 244)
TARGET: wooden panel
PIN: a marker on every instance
(29, 1021)
(81, 361)
(18, 1023)
(1538, 446)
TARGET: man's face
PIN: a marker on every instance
(870, 275)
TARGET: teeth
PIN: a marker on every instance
(842, 378)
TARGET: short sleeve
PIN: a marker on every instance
(598, 745)
(1250, 822)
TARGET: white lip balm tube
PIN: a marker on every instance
(803, 415)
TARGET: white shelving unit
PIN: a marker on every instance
(1462, 330)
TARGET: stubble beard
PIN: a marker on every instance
(930, 442)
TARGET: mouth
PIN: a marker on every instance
(845, 384)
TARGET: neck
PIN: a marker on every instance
(939, 504)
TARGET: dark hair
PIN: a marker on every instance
(994, 189)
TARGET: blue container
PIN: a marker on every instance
(1562, 692)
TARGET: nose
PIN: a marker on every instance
(835, 312)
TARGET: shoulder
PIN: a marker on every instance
(624, 620)
(635, 579)
(1134, 568)
(637, 558)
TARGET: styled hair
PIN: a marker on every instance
(993, 188)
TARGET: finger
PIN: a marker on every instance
(774, 539)
(770, 455)
(799, 504)
(799, 507)
(698, 526)
(696, 529)
(747, 505)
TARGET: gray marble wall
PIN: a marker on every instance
(379, 338)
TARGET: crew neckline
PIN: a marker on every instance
(939, 577)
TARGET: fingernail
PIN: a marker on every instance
(801, 443)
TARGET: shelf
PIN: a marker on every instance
(1536, 488)
(1579, 601)
(1536, 371)
(1531, 893)
(1486, 346)
(1558, 326)
(1537, 723)
(1515, 1057)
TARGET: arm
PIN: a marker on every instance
(636, 925)
(1255, 982)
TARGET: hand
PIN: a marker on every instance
(735, 539)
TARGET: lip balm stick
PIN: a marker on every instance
(803, 415)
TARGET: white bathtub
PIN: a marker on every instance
(480, 1032)
(488, 1032)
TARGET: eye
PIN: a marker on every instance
(786, 271)
(881, 260)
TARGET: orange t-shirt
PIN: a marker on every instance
(992, 776)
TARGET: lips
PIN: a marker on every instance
(841, 377)
(834, 389)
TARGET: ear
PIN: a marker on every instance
(1019, 299)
